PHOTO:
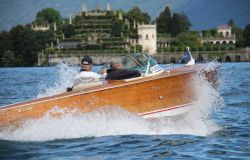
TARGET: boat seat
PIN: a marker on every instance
(87, 85)
(143, 76)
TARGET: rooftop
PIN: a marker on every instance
(224, 27)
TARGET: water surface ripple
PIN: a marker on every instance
(138, 139)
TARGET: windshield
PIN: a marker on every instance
(142, 62)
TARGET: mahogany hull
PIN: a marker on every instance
(142, 96)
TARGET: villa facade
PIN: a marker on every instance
(147, 38)
(225, 36)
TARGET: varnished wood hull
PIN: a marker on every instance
(146, 96)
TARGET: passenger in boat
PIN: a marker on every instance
(187, 57)
(86, 74)
(117, 72)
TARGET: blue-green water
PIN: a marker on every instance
(218, 130)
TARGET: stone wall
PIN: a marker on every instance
(162, 58)
(52, 59)
(205, 56)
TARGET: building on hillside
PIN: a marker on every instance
(164, 42)
(147, 38)
(108, 30)
(225, 30)
(37, 27)
(225, 37)
(97, 11)
(93, 30)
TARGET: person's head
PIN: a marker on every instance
(86, 63)
(187, 48)
(117, 64)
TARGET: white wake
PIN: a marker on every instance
(113, 120)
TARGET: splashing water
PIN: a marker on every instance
(213, 65)
(66, 75)
(113, 120)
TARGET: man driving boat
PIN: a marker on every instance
(117, 72)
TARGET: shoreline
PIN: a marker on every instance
(74, 58)
(96, 65)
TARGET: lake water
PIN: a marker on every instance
(218, 127)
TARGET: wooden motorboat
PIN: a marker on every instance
(156, 93)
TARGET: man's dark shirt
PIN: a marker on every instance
(119, 74)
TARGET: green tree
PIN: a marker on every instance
(179, 23)
(186, 24)
(238, 32)
(68, 31)
(146, 17)
(26, 46)
(174, 27)
(8, 59)
(48, 16)
(5, 43)
(231, 23)
(240, 41)
(190, 39)
(206, 33)
(246, 35)
(163, 21)
(213, 32)
(43, 39)
(117, 28)
(136, 14)
(14, 39)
